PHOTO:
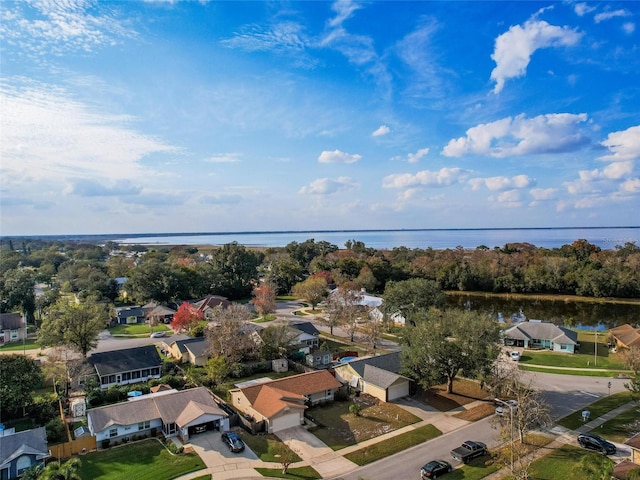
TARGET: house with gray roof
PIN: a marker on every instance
(21, 450)
(174, 413)
(12, 328)
(533, 334)
(378, 376)
(188, 350)
(130, 365)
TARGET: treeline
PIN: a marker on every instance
(167, 274)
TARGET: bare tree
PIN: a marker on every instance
(632, 358)
(372, 330)
(231, 335)
(343, 308)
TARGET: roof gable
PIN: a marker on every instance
(379, 377)
(271, 401)
(306, 327)
(303, 384)
(10, 321)
(541, 331)
(389, 362)
(31, 442)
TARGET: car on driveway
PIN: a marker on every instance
(434, 469)
(233, 441)
(596, 443)
(515, 355)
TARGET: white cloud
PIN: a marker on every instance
(540, 194)
(510, 197)
(582, 9)
(85, 142)
(513, 49)
(94, 188)
(224, 158)
(597, 180)
(426, 178)
(220, 199)
(629, 27)
(601, 17)
(623, 145)
(631, 186)
(336, 156)
(555, 132)
(328, 186)
(380, 131)
(502, 183)
(415, 157)
(53, 28)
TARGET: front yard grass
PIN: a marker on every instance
(622, 427)
(266, 447)
(138, 329)
(393, 445)
(477, 413)
(464, 392)
(597, 409)
(338, 428)
(29, 344)
(300, 473)
(143, 460)
(581, 373)
(566, 462)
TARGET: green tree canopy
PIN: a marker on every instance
(75, 325)
(314, 289)
(444, 344)
(412, 296)
(19, 376)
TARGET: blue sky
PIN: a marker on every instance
(180, 116)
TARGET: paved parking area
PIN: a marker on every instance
(215, 453)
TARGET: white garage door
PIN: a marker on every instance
(285, 421)
(398, 391)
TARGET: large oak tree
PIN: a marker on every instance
(444, 344)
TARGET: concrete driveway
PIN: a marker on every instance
(214, 452)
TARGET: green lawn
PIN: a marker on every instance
(393, 445)
(141, 329)
(568, 463)
(266, 447)
(301, 473)
(29, 344)
(597, 409)
(620, 428)
(605, 359)
(580, 373)
(143, 460)
(338, 428)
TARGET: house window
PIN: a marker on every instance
(14, 334)
(126, 376)
(23, 463)
(135, 374)
(563, 347)
(329, 393)
(113, 432)
(144, 425)
(145, 372)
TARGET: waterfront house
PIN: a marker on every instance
(541, 335)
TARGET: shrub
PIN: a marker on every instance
(154, 431)
(355, 408)
(105, 443)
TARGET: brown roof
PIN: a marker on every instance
(634, 442)
(626, 335)
(271, 401)
(623, 470)
(10, 321)
(211, 301)
(160, 388)
(303, 384)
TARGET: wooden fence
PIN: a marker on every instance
(73, 447)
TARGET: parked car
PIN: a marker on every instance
(503, 409)
(596, 443)
(158, 334)
(200, 428)
(434, 469)
(233, 441)
(468, 451)
(515, 355)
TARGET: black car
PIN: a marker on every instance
(596, 443)
(434, 469)
(233, 441)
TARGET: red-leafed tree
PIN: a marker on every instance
(186, 317)
(264, 299)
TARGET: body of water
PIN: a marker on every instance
(605, 238)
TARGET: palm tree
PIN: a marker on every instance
(62, 471)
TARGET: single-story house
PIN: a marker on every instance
(197, 353)
(208, 304)
(376, 315)
(12, 328)
(281, 403)
(128, 315)
(625, 469)
(626, 336)
(173, 412)
(158, 313)
(378, 376)
(130, 365)
(541, 335)
(398, 319)
(308, 334)
(365, 300)
(21, 450)
(178, 350)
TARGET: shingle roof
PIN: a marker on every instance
(303, 384)
(634, 441)
(197, 348)
(626, 335)
(10, 321)
(129, 359)
(379, 377)
(32, 442)
(170, 407)
(182, 344)
(271, 401)
(389, 362)
(542, 331)
(306, 327)
(211, 301)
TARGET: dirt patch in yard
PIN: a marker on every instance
(464, 392)
(477, 413)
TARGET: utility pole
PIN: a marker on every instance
(595, 351)
(511, 420)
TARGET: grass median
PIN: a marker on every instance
(596, 409)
